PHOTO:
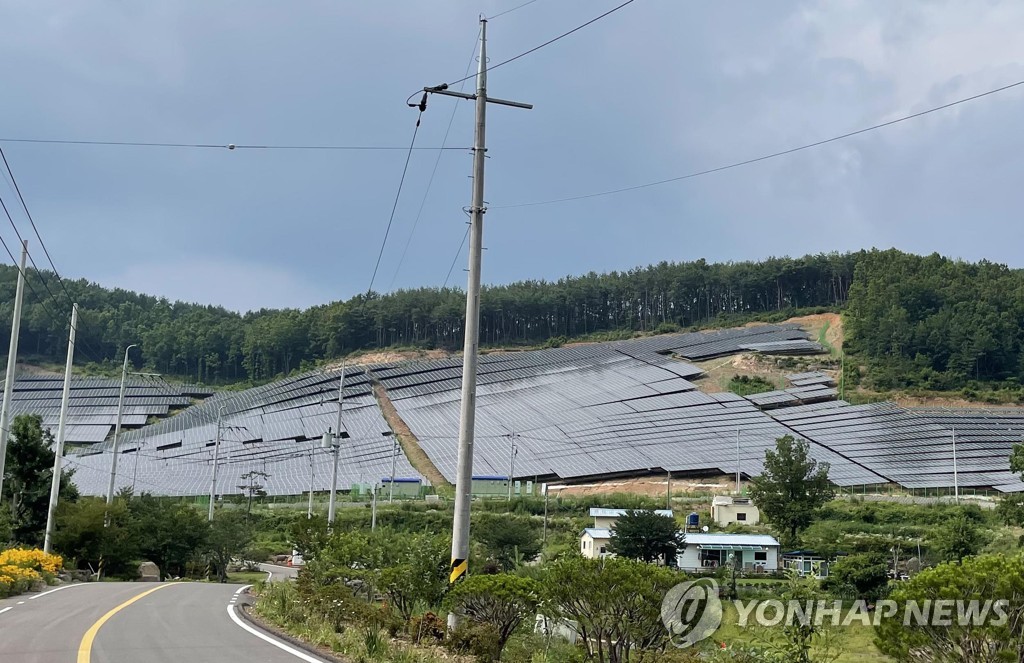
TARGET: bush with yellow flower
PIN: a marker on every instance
(21, 569)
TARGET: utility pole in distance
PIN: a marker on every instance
(117, 432)
(12, 364)
(58, 449)
(216, 459)
(464, 476)
(513, 451)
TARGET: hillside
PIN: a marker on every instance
(211, 344)
(925, 325)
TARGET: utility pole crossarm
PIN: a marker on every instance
(466, 95)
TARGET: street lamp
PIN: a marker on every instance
(117, 427)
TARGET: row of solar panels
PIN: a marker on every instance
(574, 413)
(92, 410)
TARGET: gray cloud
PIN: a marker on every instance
(659, 89)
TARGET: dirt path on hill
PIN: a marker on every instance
(418, 458)
(832, 323)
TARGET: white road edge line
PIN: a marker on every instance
(262, 636)
(270, 575)
(3, 610)
(35, 596)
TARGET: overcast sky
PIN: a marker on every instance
(656, 90)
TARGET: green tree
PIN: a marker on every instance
(792, 488)
(503, 601)
(508, 540)
(865, 573)
(615, 602)
(169, 534)
(983, 578)
(647, 536)
(28, 477)
(960, 538)
(414, 570)
(230, 534)
(81, 537)
(1011, 507)
(252, 486)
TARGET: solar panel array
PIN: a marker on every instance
(595, 410)
(914, 448)
(575, 413)
(92, 409)
(810, 379)
(275, 428)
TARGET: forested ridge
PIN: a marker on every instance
(211, 344)
(936, 323)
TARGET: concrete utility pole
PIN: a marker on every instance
(58, 452)
(117, 426)
(12, 363)
(956, 477)
(216, 458)
(513, 451)
(336, 448)
(312, 476)
(464, 476)
(544, 538)
(737, 461)
(394, 459)
(373, 509)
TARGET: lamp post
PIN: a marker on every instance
(117, 427)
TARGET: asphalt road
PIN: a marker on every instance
(278, 572)
(135, 623)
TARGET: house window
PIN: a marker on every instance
(711, 558)
(602, 550)
(741, 516)
(760, 556)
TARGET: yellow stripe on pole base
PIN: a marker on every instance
(85, 648)
(459, 568)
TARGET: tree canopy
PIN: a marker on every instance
(28, 476)
(212, 344)
(792, 488)
(647, 536)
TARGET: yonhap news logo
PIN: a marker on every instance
(692, 611)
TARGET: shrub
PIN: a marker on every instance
(480, 640)
(32, 559)
(427, 627)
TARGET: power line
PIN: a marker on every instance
(86, 348)
(422, 107)
(211, 146)
(550, 41)
(437, 161)
(456, 258)
(764, 157)
(509, 11)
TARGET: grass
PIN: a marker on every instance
(823, 339)
(246, 577)
(857, 645)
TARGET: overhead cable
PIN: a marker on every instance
(211, 146)
(765, 157)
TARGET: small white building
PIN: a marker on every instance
(704, 552)
(726, 510)
(807, 563)
(605, 518)
(594, 542)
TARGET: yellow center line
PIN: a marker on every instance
(85, 648)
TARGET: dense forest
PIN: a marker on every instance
(935, 323)
(211, 344)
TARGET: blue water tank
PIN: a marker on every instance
(693, 520)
